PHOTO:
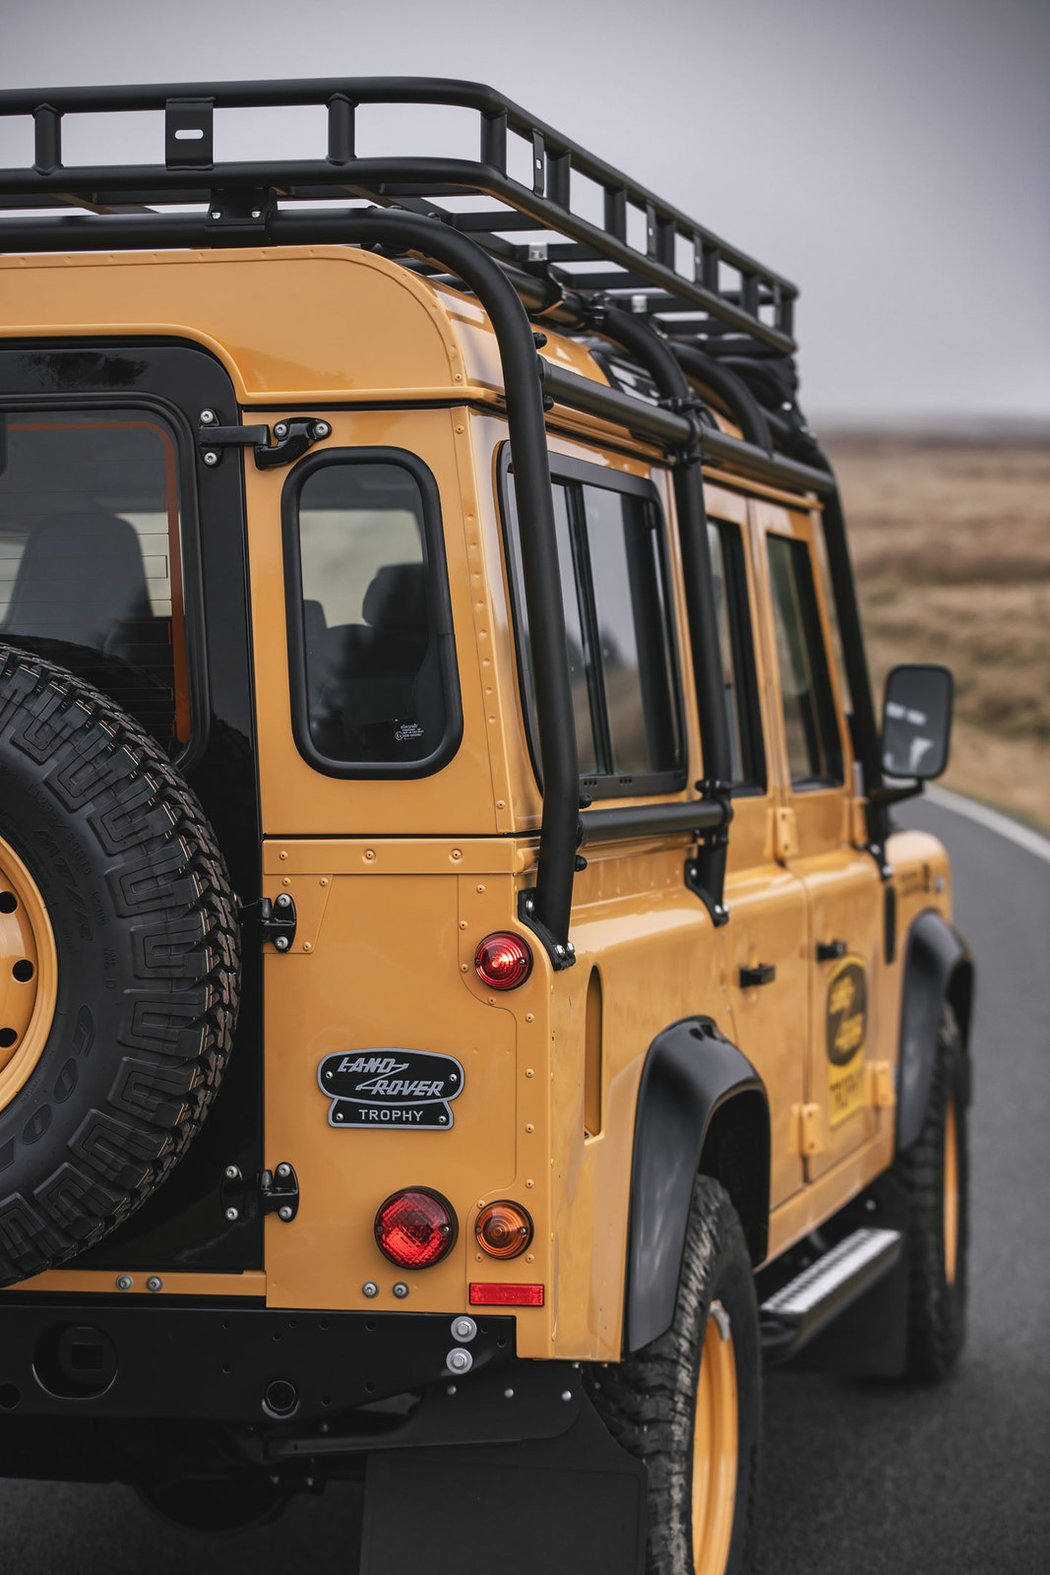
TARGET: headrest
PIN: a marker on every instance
(82, 573)
(397, 597)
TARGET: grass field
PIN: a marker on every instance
(951, 543)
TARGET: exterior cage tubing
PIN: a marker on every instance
(621, 824)
(743, 406)
(653, 424)
(634, 335)
(400, 231)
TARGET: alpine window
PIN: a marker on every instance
(370, 625)
(732, 608)
(612, 559)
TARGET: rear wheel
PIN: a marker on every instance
(689, 1404)
(934, 1172)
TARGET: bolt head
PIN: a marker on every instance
(211, 457)
(370, 1289)
(232, 1173)
(154, 1283)
(208, 418)
(124, 1282)
(459, 1361)
(281, 429)
(284, 1170)
(464, 1329)
(321, 429)
(401, 1290)
(233, 1214)
(284, 901)
(282, 943)
(284, 1213)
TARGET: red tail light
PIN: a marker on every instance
(415, 1228)
(485, 1295)
(503, 961)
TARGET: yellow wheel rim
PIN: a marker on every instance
(951, 1194)
(715, 1447)
(28, 974)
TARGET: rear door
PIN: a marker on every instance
(122, 558)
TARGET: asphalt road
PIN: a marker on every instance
(858, 1477)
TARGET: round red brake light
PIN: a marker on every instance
(503, 961)
(415, 1228)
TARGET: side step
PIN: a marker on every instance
(802, 1307)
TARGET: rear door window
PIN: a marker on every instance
(91, 559)
(370, 629)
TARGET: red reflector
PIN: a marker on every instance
(485, 1295)
(415, 1228)
(503, 961)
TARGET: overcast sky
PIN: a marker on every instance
(890, 156)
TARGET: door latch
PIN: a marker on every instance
(292, 438)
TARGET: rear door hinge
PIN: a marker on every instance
(292, 438)
(271, 1192)
(276, 920)
(809, 1129)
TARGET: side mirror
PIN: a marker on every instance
(916, 722)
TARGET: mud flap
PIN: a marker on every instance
(556, 1505)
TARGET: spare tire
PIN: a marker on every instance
(119, 965)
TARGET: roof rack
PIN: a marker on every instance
(535, 184)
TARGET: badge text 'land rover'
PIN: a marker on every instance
(403, 1088)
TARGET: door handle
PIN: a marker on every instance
(761, 973)
(831, 951)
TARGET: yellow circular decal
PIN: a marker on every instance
(847, 1030)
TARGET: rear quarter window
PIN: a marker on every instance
(371, 651)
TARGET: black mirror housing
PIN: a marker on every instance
(917, 721)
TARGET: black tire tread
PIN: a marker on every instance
(141, 812)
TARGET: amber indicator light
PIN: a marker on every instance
(487, 1295)
(503, 1229)
(503, 961)
(415, 1228)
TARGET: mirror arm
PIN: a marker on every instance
(886, 794)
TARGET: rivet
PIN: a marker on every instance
(370, 1288)
(566, 1394)
(233, 1214)
(401, 1290)
(282, 855)
(530, 1017)
(508, 1394)
(529, 1127)
(529, 1072)
(124, 1282)
(370, 853)
(154, 1283)
(308, 946)
(232, 1173)
(480, 888)
(455, 854)
(462, 924)
(529, 1183)
(211, 458)
(324, 880)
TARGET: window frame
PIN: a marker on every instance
(815, 635)
(439, 604)
(567, 469)
(190, 751)
(742, 644)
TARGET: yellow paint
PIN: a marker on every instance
(396, 882)
(28, 974)
(103, 1282)
(716, 1447)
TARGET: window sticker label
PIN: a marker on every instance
(391, 1088)
(847, 1029)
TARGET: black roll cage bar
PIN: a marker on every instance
(680, 327)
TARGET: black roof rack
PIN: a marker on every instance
(535, 187)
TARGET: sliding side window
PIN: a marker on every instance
(612, 561)
(374, 688)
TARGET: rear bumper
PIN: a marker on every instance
(234, 1364)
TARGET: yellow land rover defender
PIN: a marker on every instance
(463, 1004)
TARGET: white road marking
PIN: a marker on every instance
(1013, 830)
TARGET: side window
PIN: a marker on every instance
(91, 559)
(810, 723)
(370, 631)
(619, 634)
(743, 717)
